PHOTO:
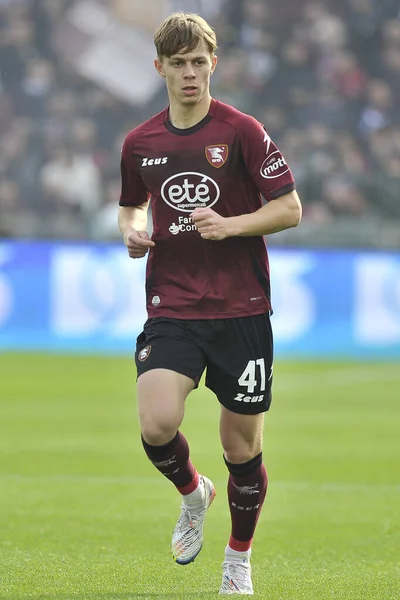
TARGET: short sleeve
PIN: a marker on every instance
(133, 190)
(267, 166)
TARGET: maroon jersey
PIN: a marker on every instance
(227, 162)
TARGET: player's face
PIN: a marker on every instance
(188, 74)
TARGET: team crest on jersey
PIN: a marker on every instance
(144, 353)
(217, 155)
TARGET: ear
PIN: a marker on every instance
(214, 62)
(159, 67)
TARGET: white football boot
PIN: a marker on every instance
(187, 538)
(236, 573)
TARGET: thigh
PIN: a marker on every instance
(169, 344)
(161, 396)
(239, 366)
(169, 365)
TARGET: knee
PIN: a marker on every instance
(159, 426)
(242, 452)
(158, 433)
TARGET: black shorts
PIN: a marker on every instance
(237, 354)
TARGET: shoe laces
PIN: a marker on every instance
(189, 517)
(238, 573)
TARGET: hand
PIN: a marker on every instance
(210, 224)
(138, 243)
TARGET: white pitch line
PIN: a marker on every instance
(326, 486)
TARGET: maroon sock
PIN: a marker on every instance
(172, 460)
(247, 487)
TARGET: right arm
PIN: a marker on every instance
(132, 221)
(133, 206)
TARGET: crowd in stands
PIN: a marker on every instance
(323, 76)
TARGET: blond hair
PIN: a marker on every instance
(183, 31)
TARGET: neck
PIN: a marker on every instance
(183, 117)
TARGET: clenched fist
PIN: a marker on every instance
(138, 243)
(210, 224)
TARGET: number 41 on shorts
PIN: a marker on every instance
(253, 377)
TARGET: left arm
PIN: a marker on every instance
(271, 177)
(276, 215)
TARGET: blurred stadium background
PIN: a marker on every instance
(324, 77)
(75, 77)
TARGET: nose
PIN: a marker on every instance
(188, 72)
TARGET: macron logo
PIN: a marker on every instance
(148, 162)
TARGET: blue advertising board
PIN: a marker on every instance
(81, 297)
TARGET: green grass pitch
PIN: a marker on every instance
(84, 515)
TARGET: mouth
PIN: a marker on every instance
(189, 90)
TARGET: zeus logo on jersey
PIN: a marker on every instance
(148, 162)
(274, 166)
(189, 190)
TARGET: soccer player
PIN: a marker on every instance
(205, 168)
